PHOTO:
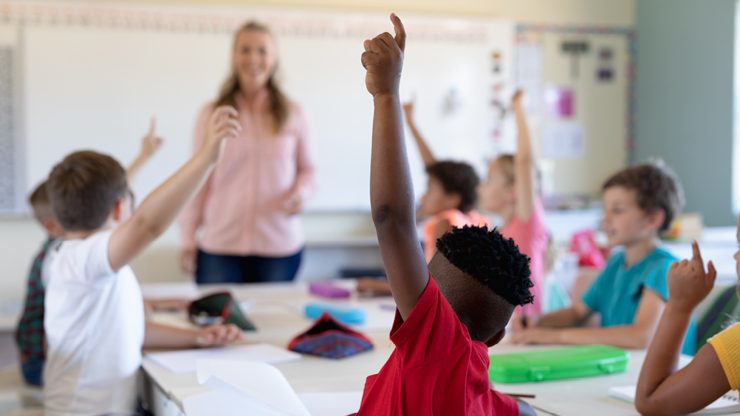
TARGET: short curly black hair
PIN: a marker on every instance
(457, 178)
(656, 187)
(490, 258)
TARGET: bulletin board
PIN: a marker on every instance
(580, 87)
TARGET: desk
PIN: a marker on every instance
(275, 310)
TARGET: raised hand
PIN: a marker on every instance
(408, 110)
(150, 143)
(689, 282)
(222, 125)
(517, 98)
(383, 60)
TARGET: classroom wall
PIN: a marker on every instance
(583, 12)
(685, 61)
(20, 238)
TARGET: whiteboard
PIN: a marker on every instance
(94, 86)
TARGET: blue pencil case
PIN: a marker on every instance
(342, 313)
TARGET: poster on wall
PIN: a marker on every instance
(560, 102)
(563, 140)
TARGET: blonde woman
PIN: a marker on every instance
(243, 226)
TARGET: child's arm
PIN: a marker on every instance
(426, 153)
(159, 209)
(574, 315)
(391, 191)
(524, 163)
(637, 335)
(164, 336)
(175, 304)
(150, 143)
(660, 390)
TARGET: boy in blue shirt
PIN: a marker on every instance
(640, 202)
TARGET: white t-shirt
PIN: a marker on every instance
(94, 323)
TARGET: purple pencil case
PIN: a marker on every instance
(327, 290)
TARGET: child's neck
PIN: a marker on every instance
(638, 250)
(81, 235)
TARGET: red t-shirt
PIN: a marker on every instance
(436, 369)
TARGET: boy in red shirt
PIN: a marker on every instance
(444, 324)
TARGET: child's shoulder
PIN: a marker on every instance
(659, 258)
(82, 253)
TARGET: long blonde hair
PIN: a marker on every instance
(279, 104)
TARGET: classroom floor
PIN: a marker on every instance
(15, 398)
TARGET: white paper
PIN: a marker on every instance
(563, 140)
(332, 404)
(239, 388)
(184, 361)
(724, 405)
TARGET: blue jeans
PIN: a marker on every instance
(32, 371)
(218, 268)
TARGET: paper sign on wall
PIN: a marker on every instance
(563, 140)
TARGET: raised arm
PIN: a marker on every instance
(524, 163)
(661, 389)
(192, 215)
(391, 191)
(159, 209)
(426, 153)
(150, 143)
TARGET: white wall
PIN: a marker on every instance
(20, 238)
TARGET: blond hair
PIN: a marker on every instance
(279, 104)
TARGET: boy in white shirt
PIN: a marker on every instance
(94, 312)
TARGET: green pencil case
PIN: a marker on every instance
(557, 364)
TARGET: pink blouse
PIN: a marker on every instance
(241, 208)
(532, 238)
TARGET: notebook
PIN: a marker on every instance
(729, 403)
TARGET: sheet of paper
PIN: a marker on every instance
(184, 361)
(563, 140)
(243, 387)
(724, 405)
(332, 404)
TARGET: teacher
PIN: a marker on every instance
(243, 225)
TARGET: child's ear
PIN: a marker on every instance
(496, 338)
(52, 227)
(656, 219)
(118, 209)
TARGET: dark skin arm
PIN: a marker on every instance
(661, 390)
(391, 191)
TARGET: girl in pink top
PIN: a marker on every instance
(510, 191)
(243, 225)
(450, 198)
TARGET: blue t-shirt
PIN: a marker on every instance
(617, 291)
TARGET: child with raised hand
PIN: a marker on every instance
(639, 204)
(510, 190)
(449, 312)
(29, 333)
(94, 313)
(150, 144)
(451, 194)
(661, 390)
